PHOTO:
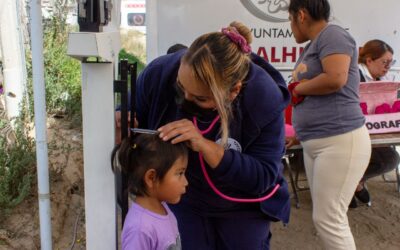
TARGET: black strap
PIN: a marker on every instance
(127, 103)
(362, 78)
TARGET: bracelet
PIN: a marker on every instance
(295, 91)
(296, 97)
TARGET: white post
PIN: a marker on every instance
(98, 129)
(98, 142)
(152, 46)
(115, 22)
(13, 53)
(40, 125)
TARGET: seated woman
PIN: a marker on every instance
(375, 60)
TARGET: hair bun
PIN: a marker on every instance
(243, 30)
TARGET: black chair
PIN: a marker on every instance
(293, 161)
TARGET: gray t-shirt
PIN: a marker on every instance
(322, 116)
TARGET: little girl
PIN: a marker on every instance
(156, 176)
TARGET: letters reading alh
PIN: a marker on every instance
(280, 54)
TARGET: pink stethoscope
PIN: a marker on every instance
(211, 184)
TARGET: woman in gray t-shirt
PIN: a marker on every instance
(328, 121)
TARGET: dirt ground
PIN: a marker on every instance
(375, 227)
(21, 228)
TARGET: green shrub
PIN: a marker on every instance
(134, 43)
(17, 159)
(132, 59)
(62, 73)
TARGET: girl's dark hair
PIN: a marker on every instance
(317, 9)
(373, 49)
(146, 152)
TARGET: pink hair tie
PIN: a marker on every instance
(237, 38)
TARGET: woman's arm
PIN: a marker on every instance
(334, 76)
(253, 171)
(259, 167)
(145, 92)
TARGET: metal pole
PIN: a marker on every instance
(40, 124)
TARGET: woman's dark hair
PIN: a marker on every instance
(317, 9)
(146, 152)
(373, 49)
(176, 47)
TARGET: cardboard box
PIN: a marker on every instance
(375, 94)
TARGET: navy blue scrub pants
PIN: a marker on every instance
(210, 233)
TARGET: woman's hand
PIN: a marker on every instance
(295, 97)
(291, 141)
(183, 131)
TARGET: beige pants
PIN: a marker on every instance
(334, 166)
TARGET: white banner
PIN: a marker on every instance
(181, 21)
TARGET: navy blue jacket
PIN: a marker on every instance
(258, 125)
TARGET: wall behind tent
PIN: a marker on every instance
(176, 21)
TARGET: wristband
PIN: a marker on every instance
(294, 91)
(295, 100)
